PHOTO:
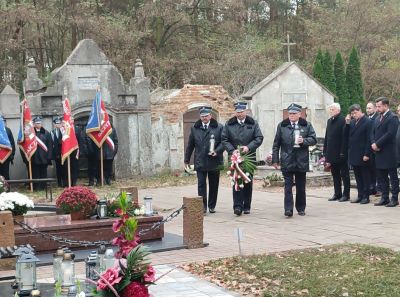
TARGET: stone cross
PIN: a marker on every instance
(288, 44)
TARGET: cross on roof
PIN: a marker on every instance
(288, 44)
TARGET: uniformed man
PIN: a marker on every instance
(109, 153)
(56, 137)
(205, 140)
(92, 152)
(290, 153)
(5, 167)
(44, 152)
(243, 131)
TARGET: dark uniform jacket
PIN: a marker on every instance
(248, 135)
(57, 140)
(359, 140)
(335, 149)
(398, 146)
(199, 141)
(41, 157)
(384, 135)
(293, 159)
(12, 142)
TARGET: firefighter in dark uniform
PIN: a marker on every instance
(43, 155)
(243, 131)
(56, 137)
(206, 132)
(108, 157)
(92, 152)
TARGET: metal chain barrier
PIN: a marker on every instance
(85, 243)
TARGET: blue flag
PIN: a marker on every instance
(5, 145)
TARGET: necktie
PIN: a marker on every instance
(241, 123)
(205, 127)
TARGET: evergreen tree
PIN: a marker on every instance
(342, 94)
(328, 78)
(354, 80)
(317, 68)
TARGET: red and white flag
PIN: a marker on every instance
(27, 139)
(69, 143)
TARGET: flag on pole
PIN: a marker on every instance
(27, 139)
(99, 127)
(5, 144)
(69, 143)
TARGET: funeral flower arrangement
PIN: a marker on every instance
(241, 168)
(15, 202)
(77, 199)
(133, 209)
(132, 274)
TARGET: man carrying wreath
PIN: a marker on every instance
(292, 139)
(242, 131)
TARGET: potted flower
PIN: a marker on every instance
(15, 202)
(77, 201)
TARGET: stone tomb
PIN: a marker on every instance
(89, 230)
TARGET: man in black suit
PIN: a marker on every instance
(383, 139)
(374, 187)
(358, 133)
(335, 152)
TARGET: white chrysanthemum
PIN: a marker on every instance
(136, 212)
(228, 173)
(9, 200)
(248, 174)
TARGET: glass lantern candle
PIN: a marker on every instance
(100, 259)
(90, 265)
(68, 270)
(57, 260)
(148, 205)
(26, 269)
(101, 209)
(109, 259)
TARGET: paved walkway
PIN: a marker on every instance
(265, 230)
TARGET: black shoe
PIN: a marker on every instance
(302, 213)
(382, 202)
(108, 181)
(364, 201)
(392, 203)
(344, 199)
(358, 200)
(289, 213)
(212, 210)
(237, 211)
(91, 183)
(247, 211)
(204, 210)
(334, 198)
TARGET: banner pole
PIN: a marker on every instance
(30, 175)
(101, 166)
(69, 173)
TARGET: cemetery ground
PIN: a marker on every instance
(337, 249)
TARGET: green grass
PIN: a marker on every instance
(340, 270)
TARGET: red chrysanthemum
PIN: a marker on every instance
(135, 289)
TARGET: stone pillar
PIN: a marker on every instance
(134, 192)
(193, 222)
(7, 238)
